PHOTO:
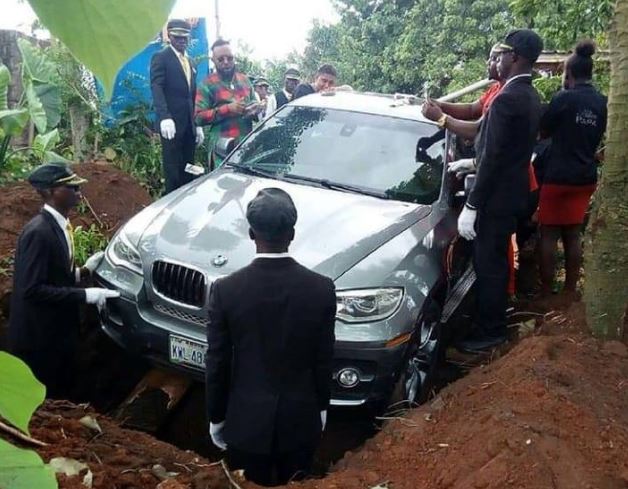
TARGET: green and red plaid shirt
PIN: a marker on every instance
(212, 99)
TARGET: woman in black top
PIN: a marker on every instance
(576, 122)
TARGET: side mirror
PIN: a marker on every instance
(224, 146)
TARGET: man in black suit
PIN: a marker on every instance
(504, 145)
(44, 318)
(173, 84)
(281, 98)
(270, 344)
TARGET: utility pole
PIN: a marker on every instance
(216, 8)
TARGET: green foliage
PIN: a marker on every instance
(103, 35)
(17, 166)
(404, 45)
(24, 469)
(563, 22)
(35, 108)
(40, 104)
(547, 86)
(43, 145)
(132, 146)
(245, 62)
(20, 392)
(38, 79)
(5, 80)
(35, 65)
(12, 121)
(87, 241)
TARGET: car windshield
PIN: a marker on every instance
(349, 151)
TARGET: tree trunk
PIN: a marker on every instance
(79, 123)
(606, 255)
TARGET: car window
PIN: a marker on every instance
(401, 158)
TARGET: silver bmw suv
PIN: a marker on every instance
(377, 214)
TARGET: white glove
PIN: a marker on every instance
(200, 136)
(215, 432)
(466, 223)
(462, 167)
(323, 420)
(98, 296)
(167, 129)
(93, 261)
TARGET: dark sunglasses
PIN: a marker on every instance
(74, 188)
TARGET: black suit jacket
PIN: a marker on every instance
(504, 145)
(173, 98)
(269, 360)
(45, 301)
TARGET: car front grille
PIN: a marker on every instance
(184, 316)
(179, 283)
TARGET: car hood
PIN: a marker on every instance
(204, 225)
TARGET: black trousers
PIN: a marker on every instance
(55, 368)
(272, 469)
(176, 153)
(490, 260)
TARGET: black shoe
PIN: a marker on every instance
(481, 343)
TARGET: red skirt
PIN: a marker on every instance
(564, 205)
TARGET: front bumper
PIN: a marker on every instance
(144, 332)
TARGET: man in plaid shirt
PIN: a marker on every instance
(225, 101)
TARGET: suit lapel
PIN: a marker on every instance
(59, 234)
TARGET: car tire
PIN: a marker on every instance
(423, 357)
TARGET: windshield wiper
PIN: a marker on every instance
(252, 171)
(323, 182)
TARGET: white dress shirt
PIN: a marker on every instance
(522, 75)
(273, 255)
(271, 102)
(61, 220)
(63, 224)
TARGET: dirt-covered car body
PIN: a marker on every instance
(375, 214)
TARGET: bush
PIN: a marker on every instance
(132, 145)
(87, 241)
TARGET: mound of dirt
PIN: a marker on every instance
(551, 413)
(118, 458)
(114, 197)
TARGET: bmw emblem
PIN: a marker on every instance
(219, 260)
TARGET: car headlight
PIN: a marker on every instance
(364, 305)
(122, 253)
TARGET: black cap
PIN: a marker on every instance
(271, 213)
(53, 175)
(179, 27)
(524, 42)
(293, 74)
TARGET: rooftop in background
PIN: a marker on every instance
(553, 60)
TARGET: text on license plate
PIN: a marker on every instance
(183, 350)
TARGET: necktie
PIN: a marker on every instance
(185, 63)
(70, 231)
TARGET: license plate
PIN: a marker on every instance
(186, 351)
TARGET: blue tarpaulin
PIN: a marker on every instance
(133, 81)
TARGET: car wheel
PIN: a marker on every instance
(422, 360)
